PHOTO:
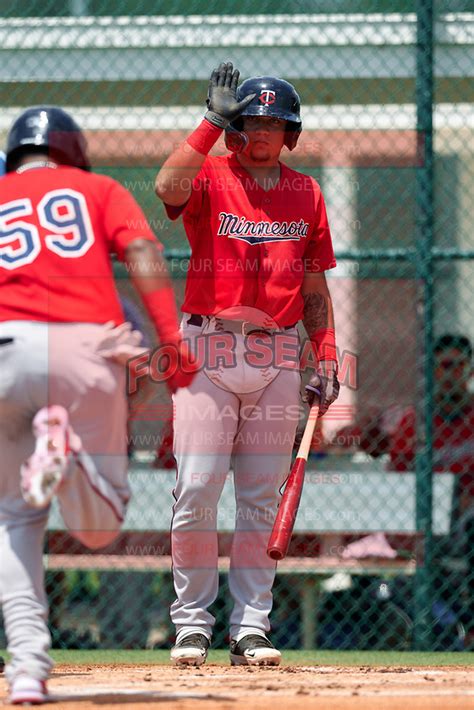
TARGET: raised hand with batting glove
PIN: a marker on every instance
(222, 96)
(174, 182)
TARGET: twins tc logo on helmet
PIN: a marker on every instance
(267, 97)
(38, 121)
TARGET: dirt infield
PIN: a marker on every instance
(217, 687)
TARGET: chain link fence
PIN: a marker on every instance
(382, 552)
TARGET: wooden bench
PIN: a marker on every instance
(339, 495)
(343, 499)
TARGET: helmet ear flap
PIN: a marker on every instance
(235, 141)
(291, 136)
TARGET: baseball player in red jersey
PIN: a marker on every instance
(260, 245)
(63, 345)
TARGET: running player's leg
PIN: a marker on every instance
(29, 383)
(59, 378)
(95, 492)
(22, 592)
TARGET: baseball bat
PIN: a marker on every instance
(285, 518)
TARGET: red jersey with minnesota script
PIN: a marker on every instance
(249, 246)
(58, 228)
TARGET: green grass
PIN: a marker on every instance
(304, 658)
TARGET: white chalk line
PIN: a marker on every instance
(80, 693)
(76, 693)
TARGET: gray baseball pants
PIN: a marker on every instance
(234, 415)
(48, 364)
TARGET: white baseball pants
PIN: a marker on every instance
(45, 365)
(243, 418)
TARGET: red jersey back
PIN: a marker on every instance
(58, 229)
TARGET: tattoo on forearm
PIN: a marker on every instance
(315, 313)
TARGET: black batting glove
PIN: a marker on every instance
(221, 97)
(323, 386)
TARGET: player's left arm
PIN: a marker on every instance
(318, 320)
(131, 238)
(149, 275)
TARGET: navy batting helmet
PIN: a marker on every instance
(47, 129)
(273, 97)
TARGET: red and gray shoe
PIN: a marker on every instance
(254, 650)
(191, 650)
(45, 470)
(28, 691)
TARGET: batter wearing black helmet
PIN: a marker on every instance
(260, 245)
(49, 129)
(273, 97)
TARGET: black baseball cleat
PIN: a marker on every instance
(254, 650)
(191, 650)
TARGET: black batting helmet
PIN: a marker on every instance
(47, 127)
(273, 97)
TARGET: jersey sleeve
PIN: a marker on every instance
(192, 207)
(319, 252)
(124, 220)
